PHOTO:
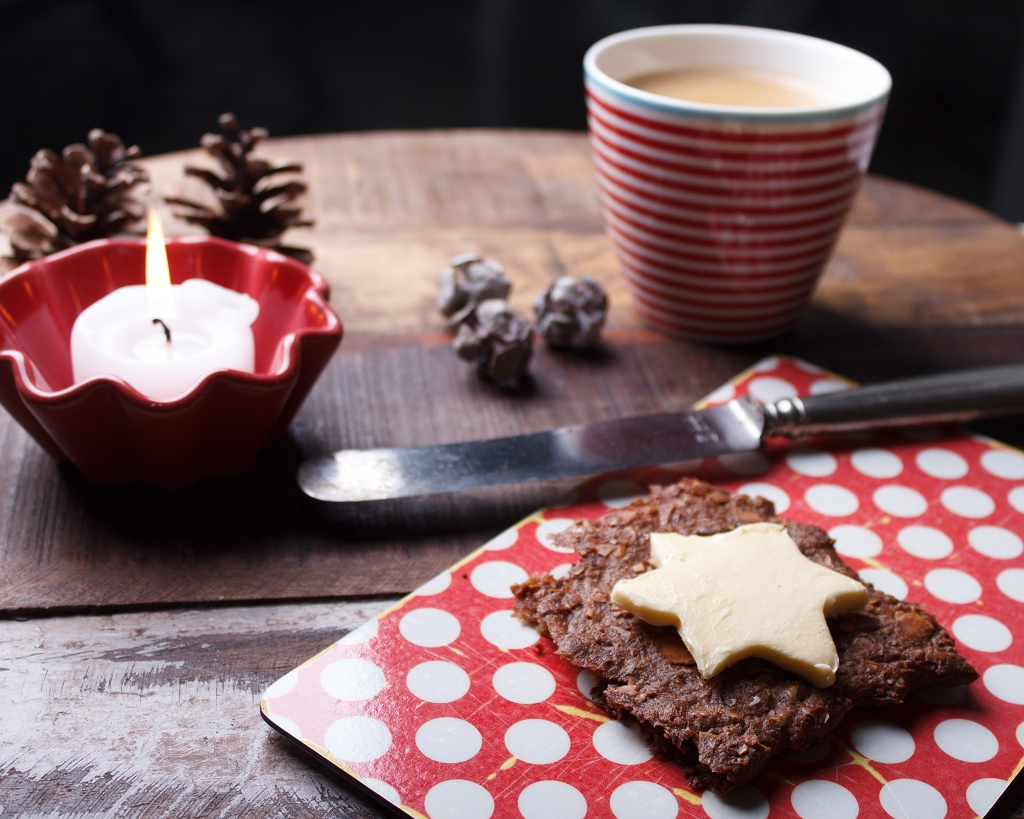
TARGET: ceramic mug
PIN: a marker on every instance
(722, 217)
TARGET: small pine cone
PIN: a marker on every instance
(253, 205)
(469, 281)
(86, 192)
(498, 341)
(571, 313)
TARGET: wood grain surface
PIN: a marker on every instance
(157, 714)
(391, 208)
(130, 704)
(154, 714)
(919, 283)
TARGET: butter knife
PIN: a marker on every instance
(741, 425)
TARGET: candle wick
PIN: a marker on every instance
(167, 330)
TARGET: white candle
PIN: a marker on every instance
(208, 328)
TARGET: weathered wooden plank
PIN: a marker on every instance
(157, 714)
(65, 545)
(391, 208)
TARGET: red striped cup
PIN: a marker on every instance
(722, 217)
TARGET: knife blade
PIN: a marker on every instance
(741, 425)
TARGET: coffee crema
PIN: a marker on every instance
(727, 85)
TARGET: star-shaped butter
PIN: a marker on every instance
(748, 592)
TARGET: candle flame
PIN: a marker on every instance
(158, 272)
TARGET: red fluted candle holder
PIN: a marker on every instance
(111, 432)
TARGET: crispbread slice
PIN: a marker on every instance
(723, 731)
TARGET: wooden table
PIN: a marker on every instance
(140, 628)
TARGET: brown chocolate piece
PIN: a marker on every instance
(723, 730)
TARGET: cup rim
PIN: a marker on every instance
(668, 105)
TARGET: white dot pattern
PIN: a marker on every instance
(382, 788)
(995, 542)
(551, 799)
(883, 741)
(767, 365)
(289, 726)
(537, 741)
(941, 463)
(1005, 681)
(855, 541)
(502, 629)
(643, 800)
(982, 633)
(888, 582)
(900, 501)
(925, 542)
(1011, 583)
(551, 527)
(620, 741)
(437, 681)
(448, 740)
(769, 388)
(876, 463)
(495, 578)
(506, 540)
(525, 683)
(912, 799)
(357, 739)
(449, 674)
(585, 683)
(830, 499)
(1003, 464)
(983, 793)
(952, 585)
(435, 585)
(966, 740)
(430, 627)
(1015, 497)
(366, 632)
(820, 799)
(283, 686)
(768, 491)
(458, 799)
(827, 386)
(352, 680)
(967, 502)
(812, 462)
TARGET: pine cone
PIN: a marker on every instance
(498, 341)
(253, 208)
(468, 281)
(571, 313)
(81, 195)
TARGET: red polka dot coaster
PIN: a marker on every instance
(447, 707)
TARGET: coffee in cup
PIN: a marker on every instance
(727, 85)
(723, 200)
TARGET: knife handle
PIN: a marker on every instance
(959, 396)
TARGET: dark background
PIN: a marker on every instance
(159, 72)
